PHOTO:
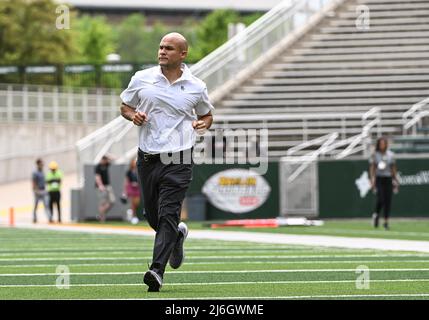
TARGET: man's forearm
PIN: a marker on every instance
(127, 112)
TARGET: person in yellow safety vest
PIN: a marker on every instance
(53, 181)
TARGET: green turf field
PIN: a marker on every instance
(112, 266)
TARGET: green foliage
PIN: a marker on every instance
(95, 39)
(28, 33)
(213, 32)
(137, 42)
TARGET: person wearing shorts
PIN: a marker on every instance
(106, 197)
(132, 189)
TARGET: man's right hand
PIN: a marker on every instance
(140, 118)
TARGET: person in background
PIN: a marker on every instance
(39, 189)
(384, 180)
(53, 180)
(106, 197)
(132, 190)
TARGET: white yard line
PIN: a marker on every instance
(210, 272)
(216, 263)
(345, 296)
(70, 253)
(259, 237)
(208, 283)
(377, 232)
(224, 257)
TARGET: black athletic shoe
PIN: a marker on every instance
(386, 226)
(178, 254)
(153, 281)
(375, 220)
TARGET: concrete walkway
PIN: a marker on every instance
(259, 237)
(19, 195)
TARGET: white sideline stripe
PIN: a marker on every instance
(335, 230)
(66, 249)
(225, 257)
(216, 263)
(260, 237)
(292, 297)
(128, 252)
(377, 232)
(209, 271)
(207, 283)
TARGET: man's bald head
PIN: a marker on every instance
(173, 50)
(178, 38)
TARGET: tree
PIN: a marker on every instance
(138, 42)
(95, 39)
(212, 32)
(28, 33)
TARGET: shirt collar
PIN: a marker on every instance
(186, 73)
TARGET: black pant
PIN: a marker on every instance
(55, 197)
(384, 195)
(163, 188)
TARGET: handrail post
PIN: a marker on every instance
(9, 104)
(24, 103)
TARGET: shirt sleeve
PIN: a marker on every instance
(130, 95)
(97, 169)
(204, 106)
(371, 159)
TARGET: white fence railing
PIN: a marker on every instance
(413, 116)
(107, 139)
(58, 104)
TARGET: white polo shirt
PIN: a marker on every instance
(169, 107)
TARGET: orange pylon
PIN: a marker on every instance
(11, 217)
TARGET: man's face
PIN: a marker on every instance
(171, 53)
(40, 165)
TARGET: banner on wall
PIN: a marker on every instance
(345, 188)
(363, 183)
(237, 190)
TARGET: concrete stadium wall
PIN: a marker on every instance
(22, 143)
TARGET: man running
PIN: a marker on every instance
(170, 104)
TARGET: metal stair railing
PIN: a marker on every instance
(329, 147)
(221, 65)
(413, 116)
(244, 48)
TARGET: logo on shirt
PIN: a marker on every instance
(182, 88)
